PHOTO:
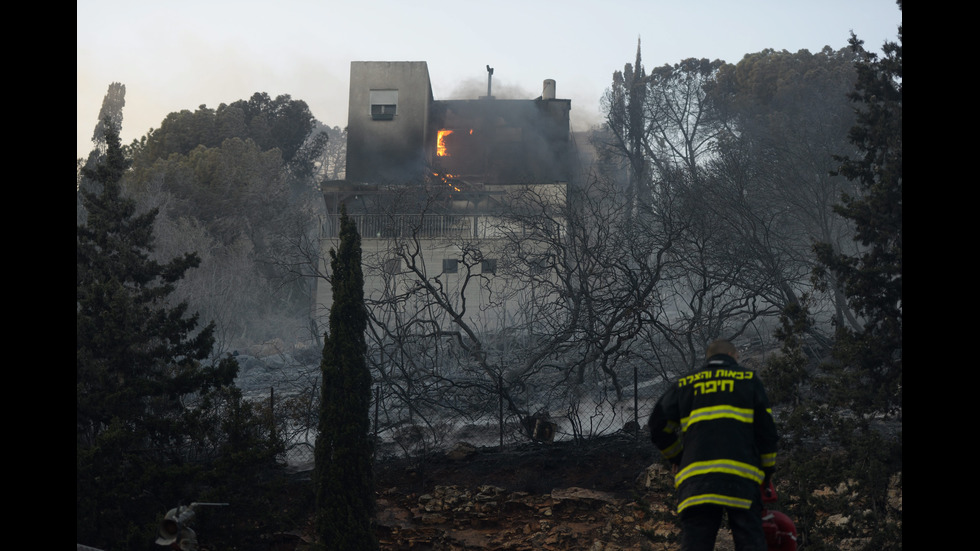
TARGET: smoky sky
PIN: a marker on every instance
(473, 88)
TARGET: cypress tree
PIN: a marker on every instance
(343, 475)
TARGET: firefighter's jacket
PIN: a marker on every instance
(716, 425)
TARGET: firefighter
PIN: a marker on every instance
(715, 426)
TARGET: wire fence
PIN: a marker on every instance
(432, 410)
(460, 414)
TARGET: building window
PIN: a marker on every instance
(450, 265)
(489, 266)
(392, 266)
(384, 104)
(540, 263)
(383, 112)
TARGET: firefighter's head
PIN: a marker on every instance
(721, 346)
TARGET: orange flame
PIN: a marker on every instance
(441, 143)
(448, 179)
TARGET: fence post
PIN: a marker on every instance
(500, 406)
(272, 413)
(377, 401)
(636, 405)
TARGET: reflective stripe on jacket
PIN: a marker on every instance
(716, 425)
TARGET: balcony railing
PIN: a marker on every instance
(380, 226)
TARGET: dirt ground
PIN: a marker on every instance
(610, 494)
(543, 497)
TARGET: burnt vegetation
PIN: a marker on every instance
(758, 201)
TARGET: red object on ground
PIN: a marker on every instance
(779, 529)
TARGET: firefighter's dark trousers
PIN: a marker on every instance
(700, 524)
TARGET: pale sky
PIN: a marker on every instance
(177, 54)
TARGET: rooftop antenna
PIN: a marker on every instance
(489, 77)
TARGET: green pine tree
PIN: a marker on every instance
(138, 362)
(850, 431)
(343, 476)
(870, 360)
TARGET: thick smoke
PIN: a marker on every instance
(581, 119)
(474, 88)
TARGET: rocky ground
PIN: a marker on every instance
(610, 495)
(543, 497)
(613, 494)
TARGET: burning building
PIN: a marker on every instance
(439, 171)
(398, 133)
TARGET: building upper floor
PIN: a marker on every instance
(399, 134)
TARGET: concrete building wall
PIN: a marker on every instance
(385, 147)
(384, 274)
(440, 238)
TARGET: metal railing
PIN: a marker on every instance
(381, 226)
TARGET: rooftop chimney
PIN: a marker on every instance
(549, 89)
(489, 77)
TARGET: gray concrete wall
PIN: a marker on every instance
(476, 293)
(388, 151)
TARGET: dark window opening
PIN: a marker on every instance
(450, 265)
(384, 104)
(383, 112)
(489, 266)
(540, 264)
(392, 266)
